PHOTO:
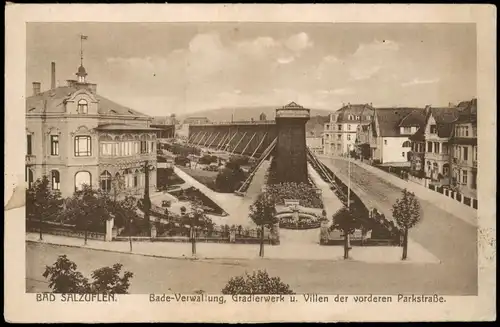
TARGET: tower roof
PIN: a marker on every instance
(81, 71)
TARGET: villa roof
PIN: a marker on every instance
(391, 119)
(55, 99)
(124, 127)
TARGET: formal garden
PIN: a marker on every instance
(222, 178)
(306, 193)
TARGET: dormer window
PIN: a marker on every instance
(83, 107)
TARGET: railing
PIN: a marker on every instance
(30, 159)
(263, 157)
(436, 156)
(241, 122)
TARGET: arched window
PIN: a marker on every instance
(82, 178)
(127, 176)
(136, 178)
(406, 144)
(83, 106)
(55, 180)
(106, 181)
(446, 170)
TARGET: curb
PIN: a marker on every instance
(208, 259)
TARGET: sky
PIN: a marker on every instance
(181, 68)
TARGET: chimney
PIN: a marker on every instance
(53, 76)
(427, 108)
(36, 88)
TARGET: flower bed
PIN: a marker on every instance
(303, 222)
(192, 194)
(305, 193)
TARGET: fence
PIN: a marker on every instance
(443, 189)
(220, 234)
(62, 230)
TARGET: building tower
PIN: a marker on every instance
(291, 155)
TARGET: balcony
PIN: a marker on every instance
(436, 156)
(464, 163)
(30, 159)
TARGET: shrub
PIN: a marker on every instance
(181, 160)
(207, 159)
(257, 283)
(228, 180)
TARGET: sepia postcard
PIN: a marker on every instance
(250, 163)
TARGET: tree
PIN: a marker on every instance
(263, 214)
(118, 184)
(406, 213)
(257, 283)
(88, 209)
(107, 280)
(42, 202)
(64, 278)
(345, 221)
(196, 219)
(125, 213)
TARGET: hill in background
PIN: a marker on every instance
(313, 127)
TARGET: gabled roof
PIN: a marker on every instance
(55, 99)
(391, 119)
(444, 117)
(467, 111)
(362, 110)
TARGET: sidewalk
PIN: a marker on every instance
(330, 200)
(455, 208)
(291, 251)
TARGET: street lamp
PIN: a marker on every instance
(147, 201)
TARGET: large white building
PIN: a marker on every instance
(339, 135)
(391, 128)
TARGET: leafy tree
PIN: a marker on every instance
(345, 221)
(196, 219)
(125, 213)
(65, 278)
(263, 214)
(257, 283)
(89, 209)
(107, 280)
(406, 212)
(42, 202)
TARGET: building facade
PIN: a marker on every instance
(388, 135)
(75, 136)
(315, 143)
(463, 149)
(339, 135)
(445, 149)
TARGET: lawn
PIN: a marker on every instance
(205, 177)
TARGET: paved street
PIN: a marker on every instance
(450, 238)
(181, 275)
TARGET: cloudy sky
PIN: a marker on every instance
(165, 68)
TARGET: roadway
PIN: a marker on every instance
(451, 239)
